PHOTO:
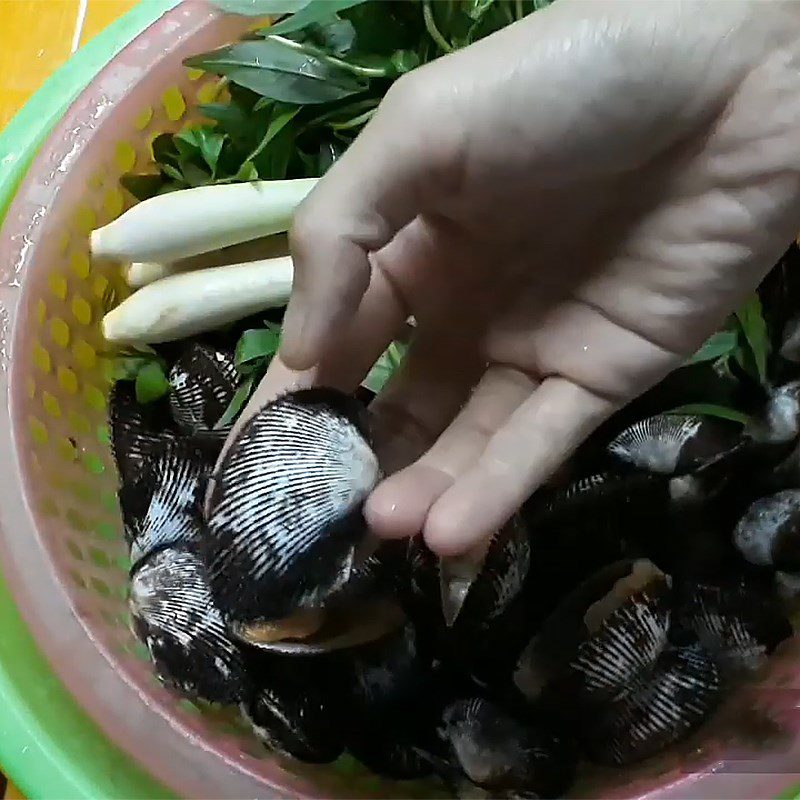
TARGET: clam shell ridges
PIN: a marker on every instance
(294, 472)
(655, 443)
(177, 620)
(173, 484)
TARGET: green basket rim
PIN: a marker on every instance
(49, 748)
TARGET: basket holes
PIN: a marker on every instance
(125, 156)
(100, 286)
(109, 501)
(174, 104)
(143, 119)
(77, 520)
(123, 563)
(77, 579)
(79, 424)
(59, 331)
(74, 550)
(193, 74)
(81, 310)
(51, 405)
(38, 430)
(83, 491)
(85, 354)
(209, 92)
(138, 650)
(41, 312)
(94, 397)
(41, 358)
(30, 388)
(99, 557)
(67, 380)
(114, 202)
(58, 285)
(97, 180)
(93, 465)
(100, 587)
(63, 242)
(103, 434)
(105, 530)
(85, 220)
(67, 448)
(80, 264)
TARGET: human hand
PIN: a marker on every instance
(568, 208)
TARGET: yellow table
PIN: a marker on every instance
(36, 37)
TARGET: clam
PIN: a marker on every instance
(203, 382)
(737, 624)
(174, 616)
(768, 535)
(656, 709)
(503, 754)
(161, 504)
(674, 444)
(137, 431)
(778, 423)
(295, 707)
(284, 515)
(790, 340)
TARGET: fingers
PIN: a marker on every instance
(535, 439)
(389, 175)
(399, 506)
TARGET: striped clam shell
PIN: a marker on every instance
(501, 753)
(284, 517)
(203, 382)
(769, 532)
(295, 709)
(627, 643)
(670, 444)
(658, 709)
(175, 618)
(738, 625)
(137, 431)
(160, 506)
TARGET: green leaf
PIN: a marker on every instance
(336, 36)
(754, 329)
(384, 367)
(237, 402)
(126, 368)
(477, 8)
(172, 172)
(142, 187)
(722, 343)
(276, 71)
(151, 382)
(261, 8)
(257, 343)
(403, 61)
(712, 410)
(247, 172)
(276, 125)
(204, 141)
(315, 11)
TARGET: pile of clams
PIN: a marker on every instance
(607, 621)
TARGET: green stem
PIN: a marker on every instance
(361, 105)
(355, 69)
(355, 121)
(433, 31)
(520, 9)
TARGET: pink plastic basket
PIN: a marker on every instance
(60, 541)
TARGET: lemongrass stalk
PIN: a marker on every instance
(139, 274)
(177, 225)
(194, 302)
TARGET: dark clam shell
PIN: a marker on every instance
(175, 617)
(503, 754)
(738, 625)
(203, 382)
(394, 754)
(284, 517)
(657, 709)
(137, 431)
(769, 533)
(674, 444)
(161, 504)
(296, 709)
(779, 421)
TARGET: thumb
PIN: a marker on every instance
(395, 170)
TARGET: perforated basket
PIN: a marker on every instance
(61, 544)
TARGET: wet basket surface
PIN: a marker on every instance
(62, 549)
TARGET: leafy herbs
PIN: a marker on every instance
(385, 366)
(301, 90)
(146, 370)
(712, 410)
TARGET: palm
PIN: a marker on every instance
(561, 248)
